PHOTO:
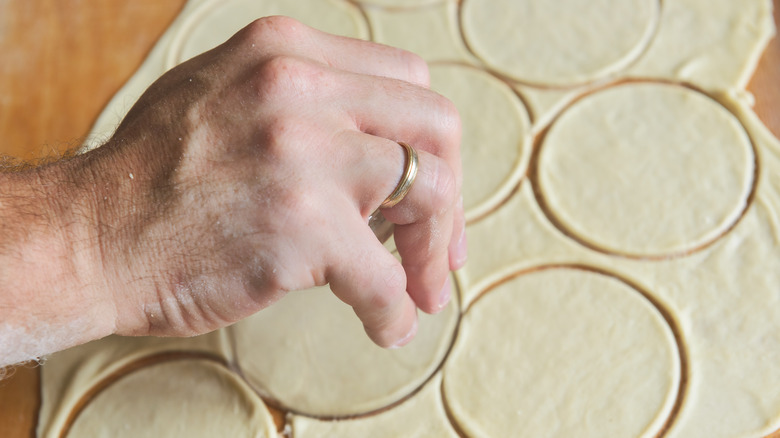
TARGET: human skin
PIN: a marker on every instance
(241, 175)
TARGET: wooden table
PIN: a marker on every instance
(62, 60)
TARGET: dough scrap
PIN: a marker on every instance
(713, 44)
(558, 43)
(309, 353)
(579, 354)
(185, 398)
(646, 169)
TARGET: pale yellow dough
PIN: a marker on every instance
(496, 132)
(217, 20)
(643, 169)
(581, 354)
(646, 169)
(309, 353)
(184, 398)
(68, 375)
(558, 43)
(421, 416)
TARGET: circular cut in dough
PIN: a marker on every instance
(420, 416)
(562, 352)
(217, 20)
(558, 43)
(646, 169)
(185, 398)
(396, 4)
(309, 352)
(496, 141)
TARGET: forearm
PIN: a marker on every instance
(49, 299)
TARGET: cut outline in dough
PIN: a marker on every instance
(274, 404)
(533, 175)
(607, 75)
(175, 52)
(516, 176)
(421, 4)
(130, 368)
(663, 310)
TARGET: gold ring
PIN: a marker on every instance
(410, 173)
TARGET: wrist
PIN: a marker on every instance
(53, 294)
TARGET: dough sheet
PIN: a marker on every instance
(185, 398)
(623, 205)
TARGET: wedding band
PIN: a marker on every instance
(410, 173)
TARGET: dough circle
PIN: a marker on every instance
(217, 20)
(192, 398)
(394, 4)
(558, 43)
(496, 139)
(646, 169)
(562, 352)
(316, 359)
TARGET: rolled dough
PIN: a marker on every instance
(421, 416)
(309, 353)
(496, 125)
(185, 398)
(646, 169)
(582, 355)
(558, 43)
(643, 169)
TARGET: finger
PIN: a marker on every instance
(427, 121)
(424, 231)
(284, 34)
(458, 249)
(366, 276)
(401, 111)
(372, 169)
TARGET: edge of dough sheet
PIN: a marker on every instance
(188, 413)
(697, 418)
(150, 70)
(69, 375)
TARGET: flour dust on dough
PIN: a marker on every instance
(309, 353)
(558, 43)
(184, 398)
(578, 354)
(646, 169)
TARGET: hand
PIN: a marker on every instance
(251, 170)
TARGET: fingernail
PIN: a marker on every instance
(461, 249)
(445, 294)
(406, 339)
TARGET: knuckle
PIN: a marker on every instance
(418, 72)
(394, 284)
(278, 145)
(284, 76)
(443, 186)
(450, 118)
(272, 28)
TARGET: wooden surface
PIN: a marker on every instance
(62, 60)
(60, 63)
